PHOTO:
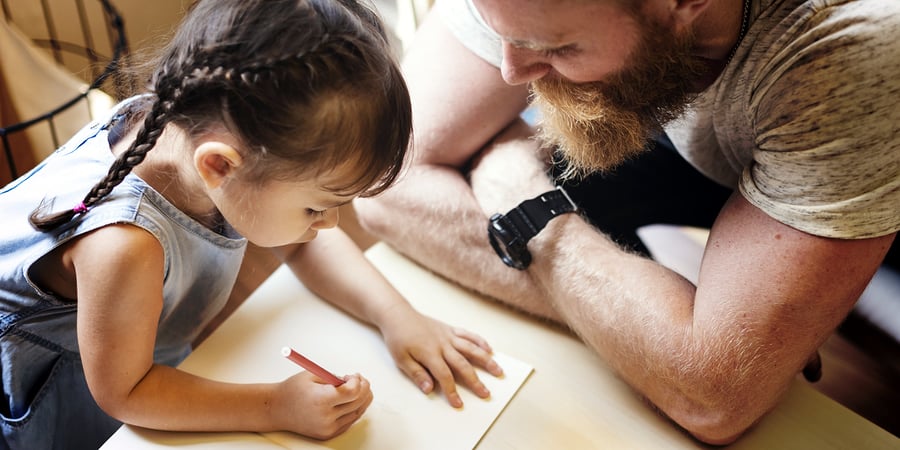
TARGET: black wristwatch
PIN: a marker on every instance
(509, 233)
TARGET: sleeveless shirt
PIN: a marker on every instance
(46, 402)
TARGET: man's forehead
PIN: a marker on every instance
(534, 24)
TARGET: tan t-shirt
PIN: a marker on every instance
(804, 120)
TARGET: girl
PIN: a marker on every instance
(263, 117)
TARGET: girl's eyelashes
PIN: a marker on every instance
(315, 213)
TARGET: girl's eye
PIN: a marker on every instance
(315, 213)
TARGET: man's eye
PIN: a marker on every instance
(559, 51)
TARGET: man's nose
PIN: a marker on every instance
(522, 65)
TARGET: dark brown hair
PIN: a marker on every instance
(306, 86)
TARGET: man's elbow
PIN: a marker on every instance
(372, 215)
(720, 425)
(716, 435)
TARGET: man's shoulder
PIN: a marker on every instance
(811, 17)
(469, 27)
(795, 41)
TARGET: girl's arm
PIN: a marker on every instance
(119, 275)
(333, 267)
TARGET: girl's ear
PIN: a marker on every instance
(215, 162)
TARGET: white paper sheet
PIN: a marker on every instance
(246, 348)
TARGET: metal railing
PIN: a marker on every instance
(101, 66)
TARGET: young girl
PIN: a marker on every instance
(263, 116)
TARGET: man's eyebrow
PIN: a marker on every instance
(529, 45)
(537, 46)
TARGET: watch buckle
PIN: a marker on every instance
(568, 199)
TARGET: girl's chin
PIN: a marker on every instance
(308, 236)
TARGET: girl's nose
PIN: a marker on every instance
(328, 220)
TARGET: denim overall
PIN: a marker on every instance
(46, 403)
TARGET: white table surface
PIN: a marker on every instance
(572, 400)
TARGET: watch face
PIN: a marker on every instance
(508, 244)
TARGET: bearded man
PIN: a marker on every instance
(772, 122)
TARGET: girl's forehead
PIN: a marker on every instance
(349, 178)
(308, 193)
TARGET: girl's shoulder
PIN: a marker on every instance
(117, 248)
(114, 253)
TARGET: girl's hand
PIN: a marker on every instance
(429, 351)
(309, 406)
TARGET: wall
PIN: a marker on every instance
(147, 20)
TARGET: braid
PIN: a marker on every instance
(152, 127)
(146, 138)
(154, 122)
(255, 72)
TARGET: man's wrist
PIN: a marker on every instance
(557, 234)
(510, 233)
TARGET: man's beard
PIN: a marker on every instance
(598, 125)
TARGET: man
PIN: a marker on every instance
(780, 134)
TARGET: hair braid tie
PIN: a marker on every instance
(81, 208)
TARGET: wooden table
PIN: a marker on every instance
(572, 400)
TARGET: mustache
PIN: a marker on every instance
(596, 126)
(589, 132)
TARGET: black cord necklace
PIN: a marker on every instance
(745, 23)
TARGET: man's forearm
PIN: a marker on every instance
(718, 356)
(433, 217)
(638, 316)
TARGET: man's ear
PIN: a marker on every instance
(216, 161)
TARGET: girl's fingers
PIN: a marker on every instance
(477, 355)
(443, 370)
(465, 372)
(417, 373)
(361, 397)
(347, 418)
(474, 338)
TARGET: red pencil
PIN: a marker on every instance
(314, 368)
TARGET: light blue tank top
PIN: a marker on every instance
(46, 402)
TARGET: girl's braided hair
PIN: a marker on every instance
(306, 86)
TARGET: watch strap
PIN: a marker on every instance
(531, 216)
